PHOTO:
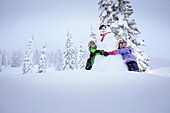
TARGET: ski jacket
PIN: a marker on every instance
(127, 54)
(93, 53)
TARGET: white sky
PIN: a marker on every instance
(49, 21)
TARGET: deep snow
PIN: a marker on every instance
(83, 92)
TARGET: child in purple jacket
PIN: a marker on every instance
(126, 53)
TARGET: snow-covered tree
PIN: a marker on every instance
(93, 35)
(86, 54)
(36, 57)
(16, 60)
(28, 58)
(50, 59)
(76, 56)
(69, 54)
(58, 61)
(4, 58)
(117, 14)
(81, 60)
(42, 65)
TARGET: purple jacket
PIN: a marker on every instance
(126, 54)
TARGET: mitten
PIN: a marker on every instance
(102, 52)
(113, 52)
(105, 53)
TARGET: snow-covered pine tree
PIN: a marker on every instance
(36, 57)
(93, 35)
(4, 58)
(117, 14)
(28, 59)
(16, 59)
(108, 11)
(58, 60)
(69, 54)
(50, 59)
(42, 65)
(81, 60)
(76, 58)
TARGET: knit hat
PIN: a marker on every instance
(91, 43)
(123, 42)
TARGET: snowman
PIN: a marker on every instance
(107, 42)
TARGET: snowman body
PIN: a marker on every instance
(111, 62)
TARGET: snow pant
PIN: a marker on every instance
(88, 64)
(132, 66)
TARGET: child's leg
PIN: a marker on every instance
(88, 64)
(132, 66)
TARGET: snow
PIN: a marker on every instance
(82, 91)
(112, 61)
(108, 43)
(104, 89)
(163, 71)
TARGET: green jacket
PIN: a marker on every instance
(93, 53)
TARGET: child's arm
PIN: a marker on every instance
(101, 52)
(120, 51)
(124, 50)
(113, 52)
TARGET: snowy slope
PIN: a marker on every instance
(84, 92)
(164, 71)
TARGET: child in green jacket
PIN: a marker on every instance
(93, 52)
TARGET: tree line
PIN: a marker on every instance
(69, 59)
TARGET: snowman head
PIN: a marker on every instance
(104, 28)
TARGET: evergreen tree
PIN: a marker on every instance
(4, 58)
(58, 61)
(28, 62)
(117, 14)
(93, 35)
(81, 60)
(86, 54)
(36, 57)
(51, 59)
(16, 58)
(76, 56)
(42, 65)
(69, 54)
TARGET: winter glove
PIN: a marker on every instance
(105, 53)
(113, 52)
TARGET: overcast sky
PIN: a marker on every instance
(50, 20)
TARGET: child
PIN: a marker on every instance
(93, 52)
(126, 53)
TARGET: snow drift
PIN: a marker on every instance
(84, 92)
